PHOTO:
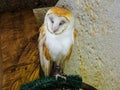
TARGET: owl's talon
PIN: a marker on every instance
(58, 75)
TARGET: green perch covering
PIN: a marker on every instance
(46, 83)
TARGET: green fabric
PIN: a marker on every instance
(72, 81)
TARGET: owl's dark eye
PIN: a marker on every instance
(51, 19)
(62, 22)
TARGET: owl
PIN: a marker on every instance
(56, 39)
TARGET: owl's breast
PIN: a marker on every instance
(58, 48)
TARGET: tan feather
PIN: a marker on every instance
(69, 53)
(61, 12)
(45, 49)
(46, 52)
(75, 34)
(41, 30)
(70, 50)
(67, 56)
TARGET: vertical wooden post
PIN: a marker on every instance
(1, 71)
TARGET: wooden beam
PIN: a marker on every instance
(1, 71)
(20, 61)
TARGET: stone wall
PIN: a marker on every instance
(96, 56)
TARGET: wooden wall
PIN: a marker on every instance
(19, 34)
(1, 71)
(13, 5)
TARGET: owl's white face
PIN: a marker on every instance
(56, 24)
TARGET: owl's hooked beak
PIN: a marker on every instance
(55, 30)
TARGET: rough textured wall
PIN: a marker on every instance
(96, 56)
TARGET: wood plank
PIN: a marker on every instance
(19, 33)
(1, 71)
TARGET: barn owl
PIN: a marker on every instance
(56, 39)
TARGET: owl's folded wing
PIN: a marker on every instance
(44, 53)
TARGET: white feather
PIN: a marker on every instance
(59, 45)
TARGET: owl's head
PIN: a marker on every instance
(58, 20)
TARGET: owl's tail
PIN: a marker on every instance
(41, 73)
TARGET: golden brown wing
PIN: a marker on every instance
(45, 49)
(67, 56)
(70, 50)
(44, 53)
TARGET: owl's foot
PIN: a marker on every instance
(61, 76)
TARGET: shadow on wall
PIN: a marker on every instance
(13, 5)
